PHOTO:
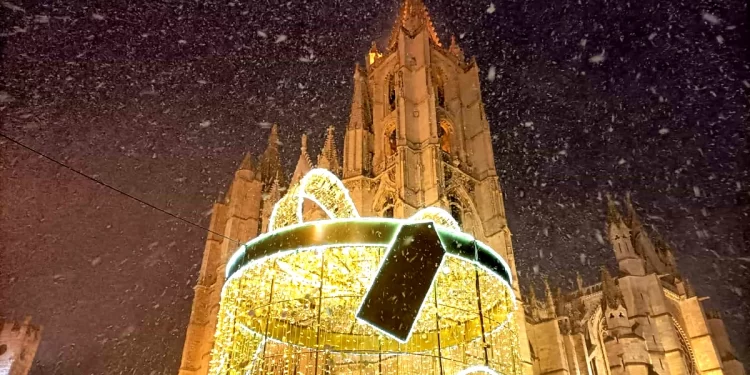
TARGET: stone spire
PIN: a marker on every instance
(611, 294)
(666, 254)
(270, 161)
(533, 303)
(274, 194)
(249, 166)
(269, 199)
(412, 17)
(304, 164)
(549, 299)
(579, 282)
(560, 302)
(329, 155)
(247, 163)
(642, 242)
(613, 214)
(577, 314)
(456, 50)
(633, 221)
(359, 115)
(357, 154)
(247, 171)
(671, 261)
(629, 260)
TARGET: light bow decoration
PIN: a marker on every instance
(352, 295)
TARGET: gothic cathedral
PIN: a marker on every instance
(418, 137)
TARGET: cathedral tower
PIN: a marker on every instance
(234, 220)
(418, 136)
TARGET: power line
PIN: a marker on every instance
(112, 187)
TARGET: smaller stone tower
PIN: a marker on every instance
(234, 220)
(629, 262)
(626, 349)
(18, 344)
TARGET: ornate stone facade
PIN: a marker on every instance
(418, 136)
(18, 344)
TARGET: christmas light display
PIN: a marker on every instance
(352, 295)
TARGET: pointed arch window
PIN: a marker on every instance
(391, 86)
(456, 209)
(441, 96)
(388, 212)
(444, 135)
(388, 208)
(392, 142)
(438, 84)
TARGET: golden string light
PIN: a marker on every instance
(293, 309)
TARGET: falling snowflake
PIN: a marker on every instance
(280, 38)
(491, 9)
(710, 18)
(663, 131)
(5, 97)
(599, 237)
(97, 17)
(127, 331)
(13, 7)
(598, 59)
(491, 73)
(262, 34)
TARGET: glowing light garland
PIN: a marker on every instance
(293, 296)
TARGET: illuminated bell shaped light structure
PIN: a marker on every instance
(352, 295)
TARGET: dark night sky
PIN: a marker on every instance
(162, 98)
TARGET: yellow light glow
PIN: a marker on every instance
(372, 56)
(294, 312)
